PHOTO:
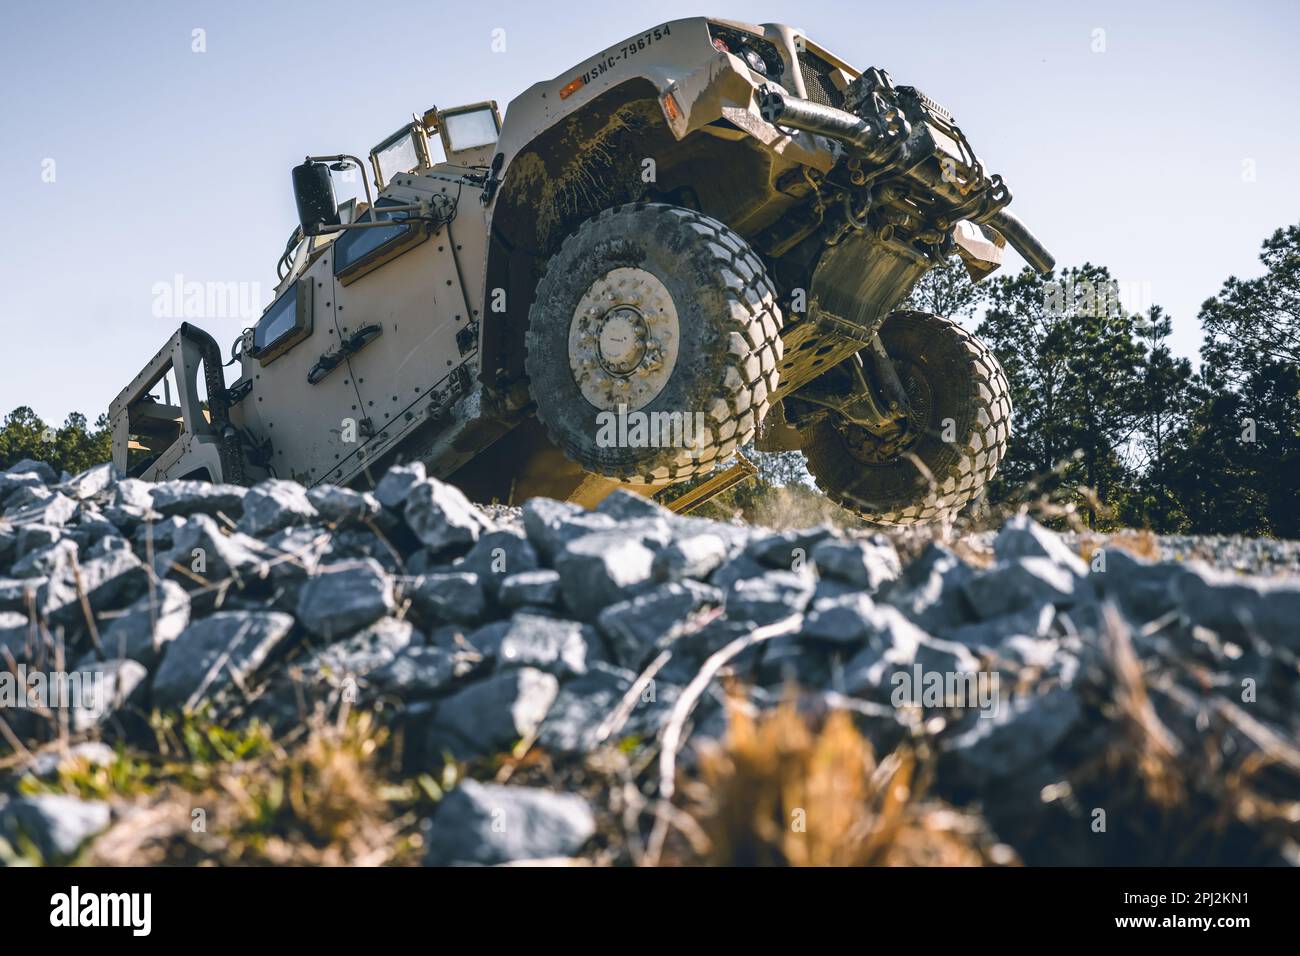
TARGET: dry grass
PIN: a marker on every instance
(1203, 797)
(785, 507)
(325, 802)
(1140, 544)
(781, 791)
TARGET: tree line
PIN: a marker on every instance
(1107, 414)
(72, 447)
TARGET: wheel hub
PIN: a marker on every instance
(882, 449)
(623, 339)
(621, 344)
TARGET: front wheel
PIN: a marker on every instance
(653, 344)
(949, 447)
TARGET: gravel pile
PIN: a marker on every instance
(472, 629)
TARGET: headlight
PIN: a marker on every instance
(754, 59)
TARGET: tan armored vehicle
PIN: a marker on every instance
(694, 239)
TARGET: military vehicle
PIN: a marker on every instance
(697, 238)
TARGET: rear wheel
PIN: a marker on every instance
(653, 344)
(945, 452)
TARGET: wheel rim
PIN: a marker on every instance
(623, 339)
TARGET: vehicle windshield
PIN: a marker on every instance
(470, 130)
(398, 155)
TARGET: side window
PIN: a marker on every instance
(285, 323)
(358, 251)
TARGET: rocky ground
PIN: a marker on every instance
(324, 675)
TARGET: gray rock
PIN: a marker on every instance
(92, 525)
(493, 714)
(625, 505)
(1028, 651)
(451, 637)
(342, 505)
(299, 552)
(1031, 621)
(131, 504)
(447, 597)
(215, 653)
(26, 495)
(18, 594)
(892, 645)
(597, 570)
(419, 672)
(550, 644)
(695, 555)
(358, 542)
(92, 481)
(11, 483)
(1242, 608)
(847, 620)
(497, 555)
(488, 824)
(44, 561)
(34, 537)
(930, 590)
(274, 504)
(200, 550)
(108, 544)
(936, 655)
(144, 630)
(1024, 583)
(30, 466)
(582, 705)
(114, 683)
(54, 824)
(863, 563)
(738, 568)
(136, 495)
(1023, 537)
(38, 506)
(160, 535)
(17, 639)
(1022, 734)
(393, 488)
(442, 517)
(551, 525)
(371, 649)
(769, 597)
(181, 497)
(540, 588)
(789, 550)
(111, 581)
(920, 674)
(637, 628)
(341, 598)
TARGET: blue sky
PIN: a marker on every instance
(1168, 157)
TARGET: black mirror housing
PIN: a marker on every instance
(313, 191)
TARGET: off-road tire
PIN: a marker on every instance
(968, 399)
(728, 350)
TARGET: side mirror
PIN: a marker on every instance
(314, 193)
